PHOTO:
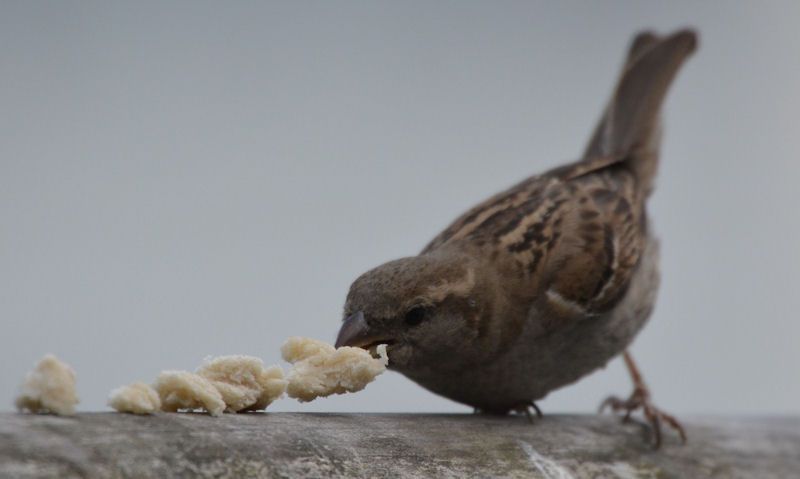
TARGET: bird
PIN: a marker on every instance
(545, 282)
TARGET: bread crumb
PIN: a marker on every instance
(243, 381)
(296, 349)
(321, 370)
(185, 390)
(136, 398)
(49, 388)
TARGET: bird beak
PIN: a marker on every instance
(355, 332)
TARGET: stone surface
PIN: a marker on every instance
(389, 446)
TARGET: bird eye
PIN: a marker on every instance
(415, 315)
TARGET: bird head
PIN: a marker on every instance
(427, 308)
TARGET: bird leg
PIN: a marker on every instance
(640, 399)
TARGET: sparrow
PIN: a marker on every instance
(545, 282)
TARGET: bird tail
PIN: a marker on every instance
(629, 129)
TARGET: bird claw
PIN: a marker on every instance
(640, 399)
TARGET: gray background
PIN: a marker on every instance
(186, 179)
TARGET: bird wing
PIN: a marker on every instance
(571, 236)
(601, 233)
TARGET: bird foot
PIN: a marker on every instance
(525, 408)
(640, 399)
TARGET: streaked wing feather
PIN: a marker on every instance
(607, 229)
(482, 217)
(574, 232)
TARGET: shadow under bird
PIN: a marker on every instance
(543, 283)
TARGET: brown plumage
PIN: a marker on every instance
(542, 283)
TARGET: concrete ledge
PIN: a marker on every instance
(389, 445)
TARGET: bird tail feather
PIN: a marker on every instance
(629, 129)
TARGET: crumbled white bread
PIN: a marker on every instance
(136, 398)
(243, 381)
(296, 349)
(184, 390)
(49, 388)
(321, 370)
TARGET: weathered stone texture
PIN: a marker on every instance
(295, 445)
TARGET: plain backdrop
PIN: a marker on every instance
(183, 179)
